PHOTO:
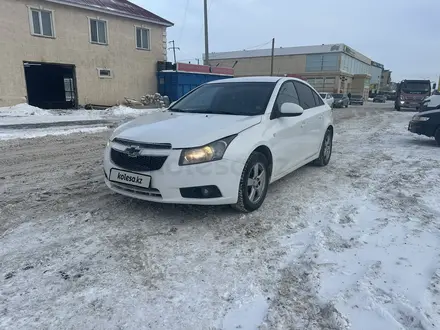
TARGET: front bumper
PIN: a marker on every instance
(166, 182)
(409, 104)
(421, 128)
(356, 102)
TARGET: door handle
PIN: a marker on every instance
(303, 124)
(321, 117)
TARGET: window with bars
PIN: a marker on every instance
(142, 38)
(98, 31)
(42, 22)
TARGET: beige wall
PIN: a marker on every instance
(256, 66)
(134, 70)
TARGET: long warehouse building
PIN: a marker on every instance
(333, 68)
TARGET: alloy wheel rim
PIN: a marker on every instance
(327, 146)
(256, 183)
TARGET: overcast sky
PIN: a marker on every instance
(404, 35)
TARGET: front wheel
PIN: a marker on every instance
(253, 183)
(326, 149)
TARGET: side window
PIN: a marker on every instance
(306, 97)
(318, 100)
(286, 94)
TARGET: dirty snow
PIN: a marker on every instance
(40, 132)
(26, 114)
(352, 245)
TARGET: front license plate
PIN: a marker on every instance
(134, 179)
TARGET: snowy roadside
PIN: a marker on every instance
(24, 121)
(354, 244)
(27, 114)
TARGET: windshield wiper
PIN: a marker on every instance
(177, 110)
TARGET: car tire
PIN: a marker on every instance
(346, 105)
(256, 165)
(326, 149)
(362, 103)
(437, 136)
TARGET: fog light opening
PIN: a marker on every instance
(201, 192)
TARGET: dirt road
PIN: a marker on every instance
(75, 255)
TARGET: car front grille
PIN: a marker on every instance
(126, 142)
(150, 192)
(141, 163)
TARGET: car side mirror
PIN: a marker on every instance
(291, 110)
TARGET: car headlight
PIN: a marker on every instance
(208, 153)
(419, 118)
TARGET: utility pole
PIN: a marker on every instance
(272, 57)
(174, 50)
(205, 4)
(198, 60)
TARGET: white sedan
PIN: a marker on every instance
(222, 143)
(328, 98)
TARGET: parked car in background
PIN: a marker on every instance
(430, 103)
(426, 123)
(380, 99)
(328, 98)
(341, 100)
(222, 143)
(357, 99)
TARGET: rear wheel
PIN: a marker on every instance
(253, 183)
(326, 149)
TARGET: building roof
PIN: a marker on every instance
(281, 51)
(122, 8)
(285, 51)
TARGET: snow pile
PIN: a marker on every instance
(26, 114)
(23, 110)
(34, 133)
(124, 111)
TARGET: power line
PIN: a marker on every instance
(258, 46)
(184, 21)
(174, 49)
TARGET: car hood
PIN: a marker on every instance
(429, 113)
(183, 130)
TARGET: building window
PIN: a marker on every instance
(42, 22)
(322, 62)
(98, 31)
(68, 89)
(105, 73)
(142, 38)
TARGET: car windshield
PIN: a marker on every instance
(415, 87)
(338, 96)
(232, 98)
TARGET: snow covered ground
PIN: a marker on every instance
(23, 120)
(27, 114)
(352, 245)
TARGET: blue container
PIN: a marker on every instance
(175, 84)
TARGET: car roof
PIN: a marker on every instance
(256, 79)
(247, 79)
